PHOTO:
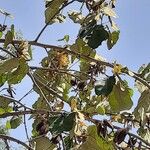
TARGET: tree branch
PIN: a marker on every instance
(8, 52)
(53, 92)
(95, 121)
(16, 101)
(34, 81)
(29, 112)
(99, 62)
(62, 71)
(42, 30)
(5, 137)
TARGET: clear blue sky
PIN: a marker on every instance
(131, 50)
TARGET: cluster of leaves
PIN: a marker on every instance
(74, 76)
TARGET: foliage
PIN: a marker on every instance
(74, 85)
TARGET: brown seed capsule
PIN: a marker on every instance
(120, 135)
(73, 82)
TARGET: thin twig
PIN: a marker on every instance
(95, 121)
(60, 71)
(53, 92)
(42, 30)
(8, 52)
(16, 101)
(25, 127)
(29, 112)
(26, 94)
(5, 137)
(36, 84)
(7, 145)
(63, 143)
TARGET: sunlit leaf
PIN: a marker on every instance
(76, 17)
(109, 11)
(100, 110)
(113, 38)
(17, 75)
(4, 102)
(8, 125)
(15, 122)
(95, 142)
(44, 143)
(2, 111)
(8, 38)
(65, 38)
(143, 103)
(1, 34)
(9, 65)
(120, 99)
(52, 10)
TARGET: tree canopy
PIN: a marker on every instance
(84, 101)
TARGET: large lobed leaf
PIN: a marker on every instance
(95, 142)
(52, 9)
(143, 105)
(120, 99)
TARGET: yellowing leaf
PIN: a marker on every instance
(73, 104)
(59, 106)
(109, 11)
(63, 59)
(115, 117)
(117, 69)
(114, 26)
(24, 50)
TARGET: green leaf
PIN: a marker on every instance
(109, 11)
(15, 122)
(100, 110)
(4, 102)
(44, 143)
(1, 34)
(40, 104)
(95, 142)
(98, 35)
(16, 76)
(13, 30)
(63, 123)
(65, 38)
(9, 65)
(81, 47)
(8, 125)
(143, 103)
(3, 79)
(105, 87)
(68, 143)
(2, 111)
(76, 17)
(113, 38)
(52, 10)
(8, 38)
(120, 99)
(144, 133)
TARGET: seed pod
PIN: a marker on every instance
(81, 85)
(73, 81)
(41, 128)
(108, 124)
(120, 135)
